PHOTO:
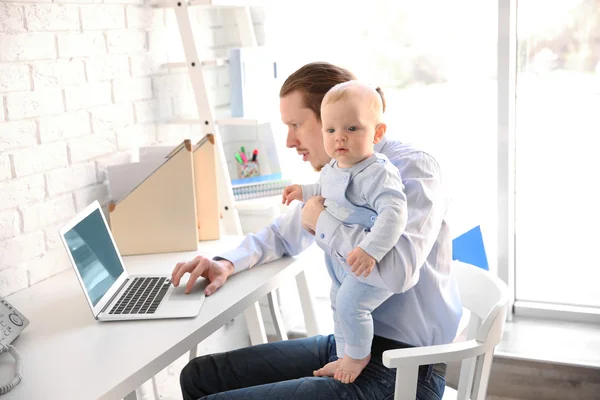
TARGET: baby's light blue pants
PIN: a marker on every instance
(352, 302)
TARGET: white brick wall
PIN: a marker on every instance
(85, 96)
(135, 136)
(107, 68)
(102, 17)
(11, 278)
(14, 77)
(132, 89)
(34, 104)
(58, 73)
(124, 1)
(26, 46)
(64, 126)
(152, 110)
(92, 146)
(143, 65)
(112, 117)
(173, 133)
(86, 195)
(22, 191)
(9, 224)
(11, 18)
(145, 18)
(20, 248)
(40, 158)
(126, 42)
(76, 44)
(17, 134)
(44, 266)
(48, 212)
(53, 240)
(51, 17)
(64, 180)
(81, 86)
(5, 167)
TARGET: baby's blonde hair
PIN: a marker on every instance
(373, 96)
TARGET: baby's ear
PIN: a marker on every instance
(379, 132)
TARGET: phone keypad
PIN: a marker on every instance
(12, 322)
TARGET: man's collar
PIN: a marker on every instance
(380, 145)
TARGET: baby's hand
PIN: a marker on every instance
(292, 192)
(361, 262)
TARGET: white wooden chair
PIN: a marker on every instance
(486, 297)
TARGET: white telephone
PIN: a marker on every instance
(12, 322)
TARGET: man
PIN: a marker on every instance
(424, 310)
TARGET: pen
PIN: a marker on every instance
(254, 154)
(244, 158)
(238, 158)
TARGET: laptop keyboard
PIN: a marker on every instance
(143, 296)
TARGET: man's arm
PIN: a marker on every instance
(284, 237)
(426, 203)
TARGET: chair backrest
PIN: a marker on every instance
(486, 297)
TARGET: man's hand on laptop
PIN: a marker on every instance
(216, 272)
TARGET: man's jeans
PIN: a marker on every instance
(284, 371)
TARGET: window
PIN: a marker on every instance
(557, 142)
(436, 62)
(437, 65)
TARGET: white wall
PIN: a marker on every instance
(81, 87)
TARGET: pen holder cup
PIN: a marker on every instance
(248, 169)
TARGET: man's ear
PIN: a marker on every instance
(379, 132)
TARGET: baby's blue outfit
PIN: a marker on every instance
(371, 194)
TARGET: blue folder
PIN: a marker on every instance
(469, 248)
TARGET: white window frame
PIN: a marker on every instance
(506, 261)
(507, 65)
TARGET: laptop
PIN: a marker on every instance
(113, 294)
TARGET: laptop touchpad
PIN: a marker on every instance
(197, 291)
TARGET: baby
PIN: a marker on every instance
(360, 187)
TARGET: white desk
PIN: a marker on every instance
(67, 354)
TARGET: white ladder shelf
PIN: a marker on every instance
(231, 220)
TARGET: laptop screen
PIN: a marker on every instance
(94, 254)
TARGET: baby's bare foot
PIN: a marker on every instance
(329, 369)
(350, 369)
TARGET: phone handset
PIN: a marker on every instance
(17, 379)
(12, 323)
